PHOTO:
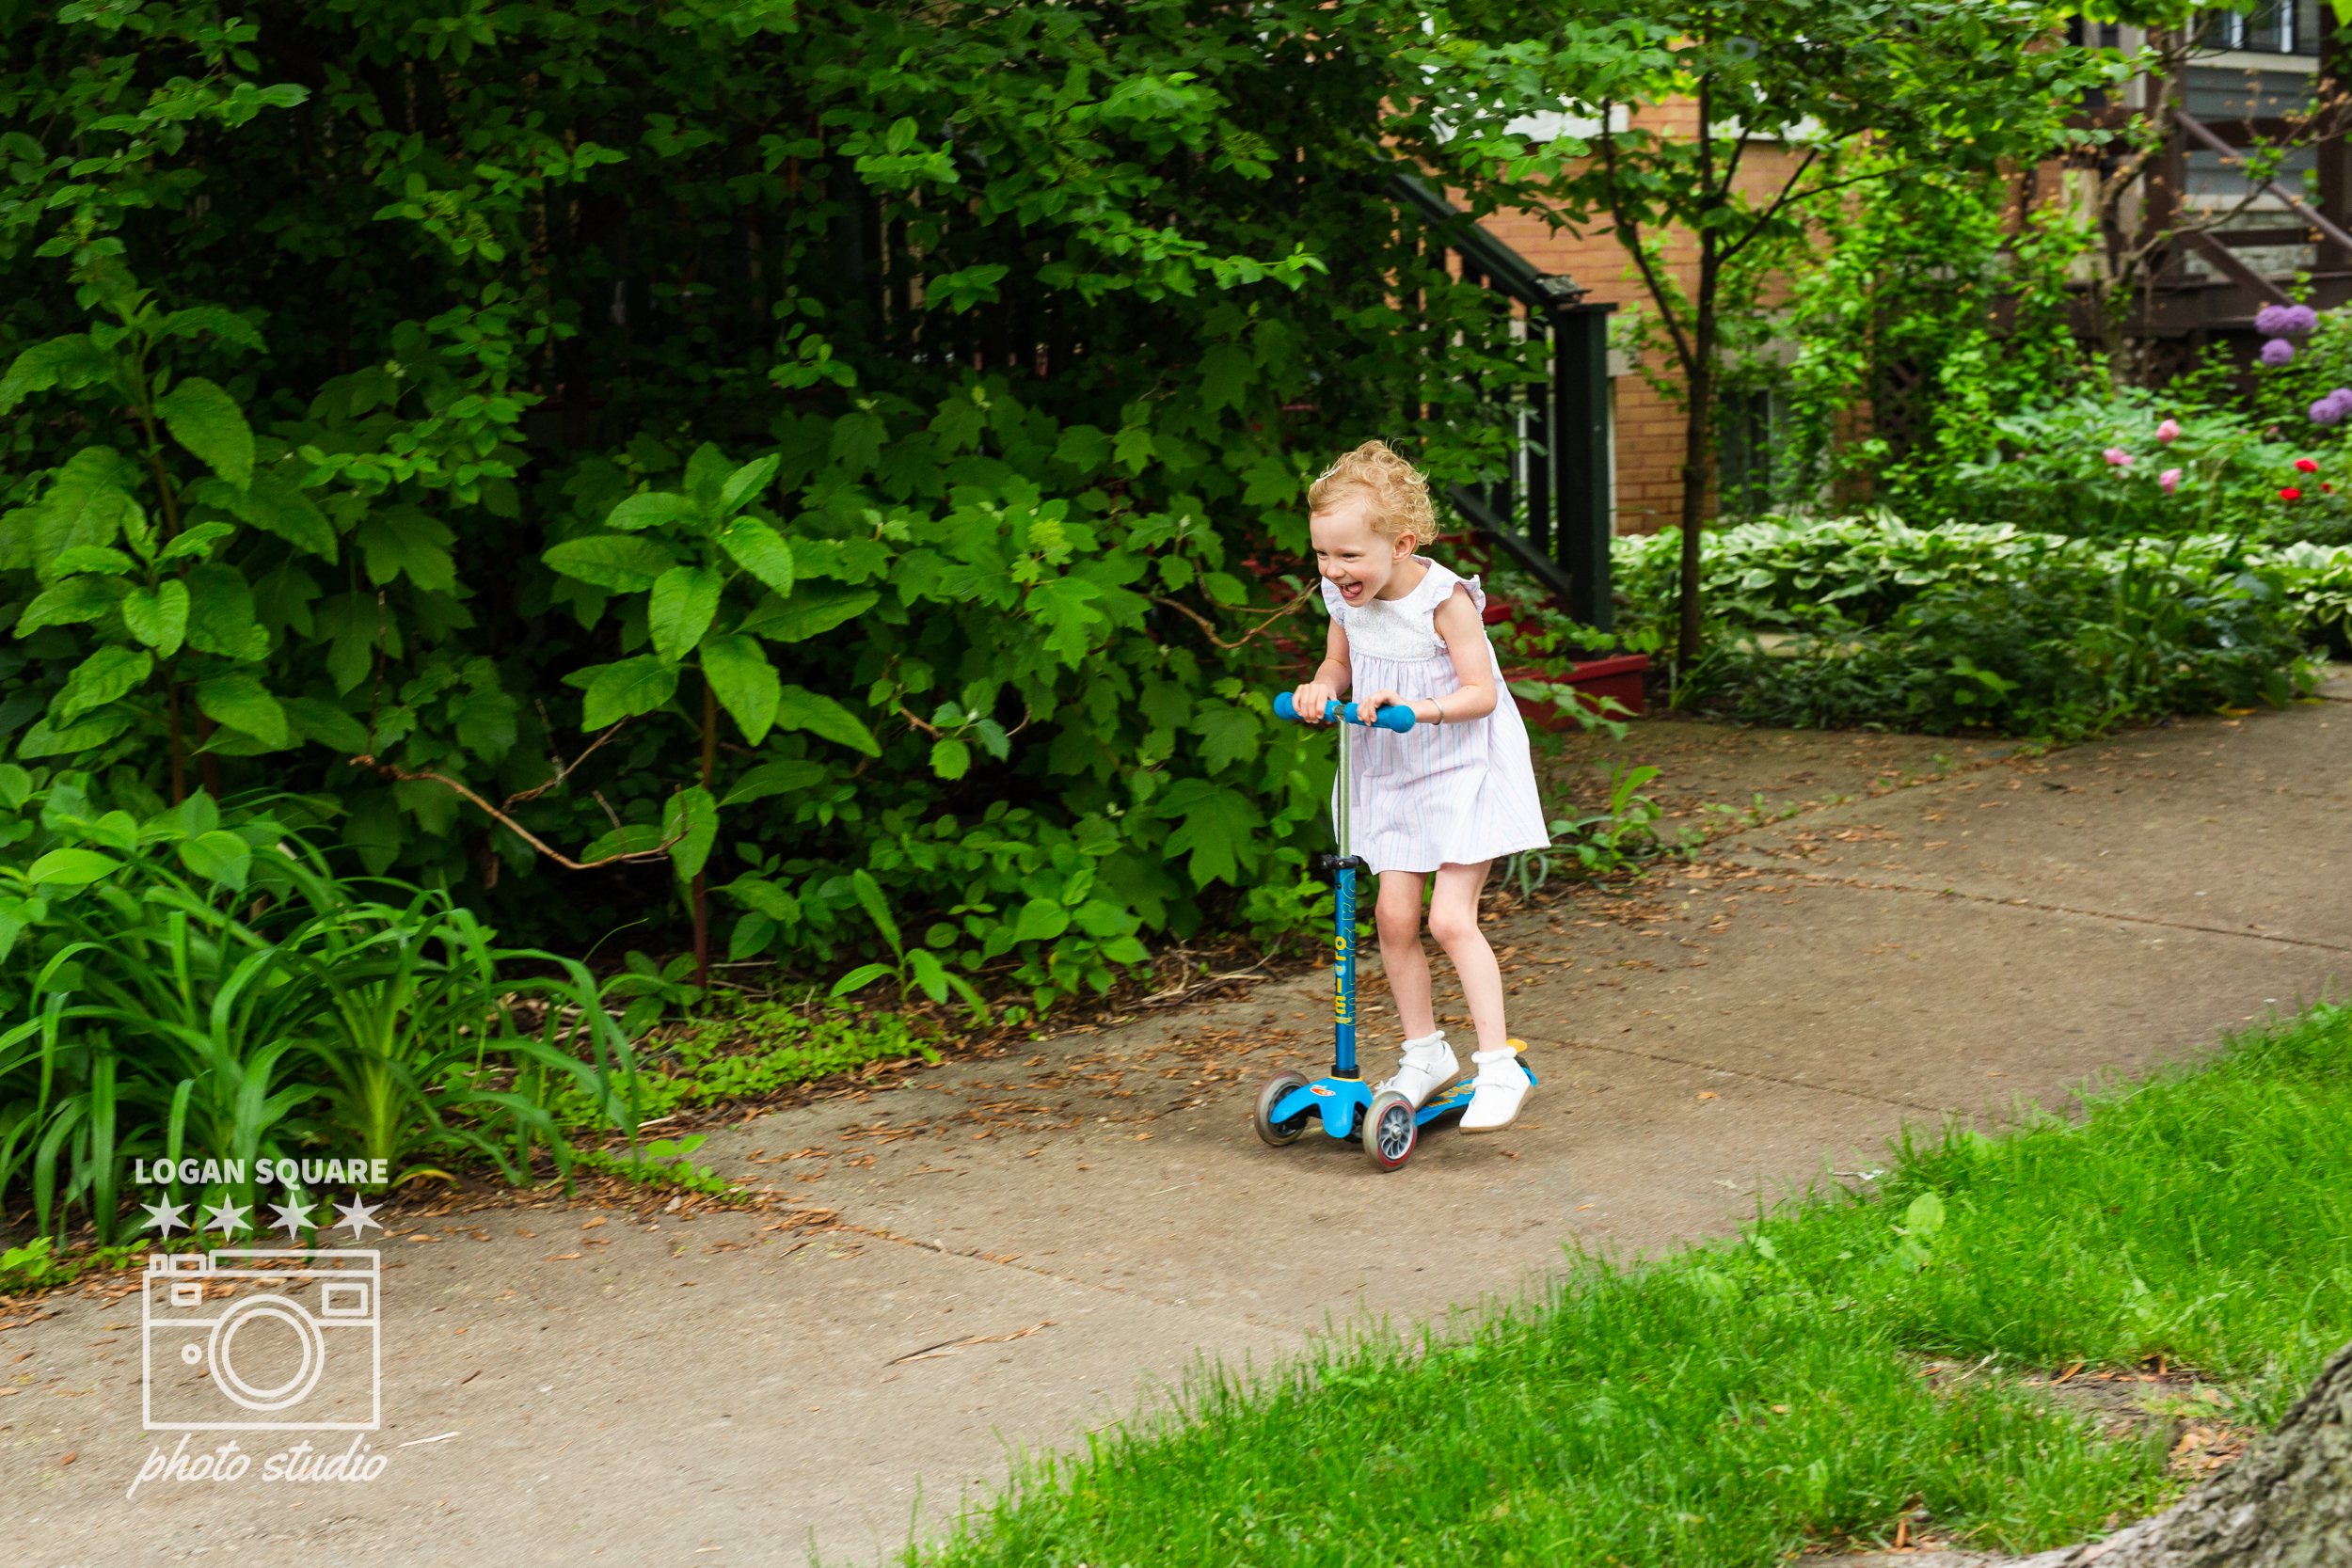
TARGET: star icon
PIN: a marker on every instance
(229, 1217)
(166, 1216)
(358, 1215)
(295, 1217)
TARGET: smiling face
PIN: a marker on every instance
(1352, 558)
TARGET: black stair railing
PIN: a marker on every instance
(1562, 428)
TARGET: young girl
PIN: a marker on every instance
(1443, 800)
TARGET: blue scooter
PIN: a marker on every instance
(1290, 1102)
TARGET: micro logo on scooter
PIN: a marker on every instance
(1323, 1089)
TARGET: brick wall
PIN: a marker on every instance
(1650, 428)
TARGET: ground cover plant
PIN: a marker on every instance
(1868, 621)
(192, 981)
(1731, 1403)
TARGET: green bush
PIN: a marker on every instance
(1870, 622)
(192, 981)
(745, 449)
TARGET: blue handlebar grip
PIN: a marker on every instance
(1398, 718)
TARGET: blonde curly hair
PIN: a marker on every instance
(1400, 496)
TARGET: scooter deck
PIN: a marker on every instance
(1342, 1101)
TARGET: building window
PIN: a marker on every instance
(2274, 27)
(1754, 432)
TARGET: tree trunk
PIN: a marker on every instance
(2287, 1504)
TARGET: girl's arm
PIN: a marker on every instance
(1331, 680)
(1457, 622)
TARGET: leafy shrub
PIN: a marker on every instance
(191, 980)
(806, 444)
(1871, 622)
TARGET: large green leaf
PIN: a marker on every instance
(814, 607)
(241, 701)
(220, 613)
(803, 709)
(158, 617)
(1229, 733)
(774, 778)
(746, 685)
(106, 674)
(693, 816)
(218, 857)
(71, 363)
(71, 868)
(619, 562)
(74, 600)
(207, 420)
(316, 718)
(632, 686)
(404, 541)
(746, 482)
(759, 550)
(1217, 826)
(684, 601)
(650, 510)
(273, 504)
(88, 502)
(40, 740)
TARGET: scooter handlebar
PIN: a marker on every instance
(1397, 717)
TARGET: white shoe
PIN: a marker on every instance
(1429, 1064)
(1501, 1086)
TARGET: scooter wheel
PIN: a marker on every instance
(1278, 1133)
(1391, 1129)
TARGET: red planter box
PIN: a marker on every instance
(1619, 677)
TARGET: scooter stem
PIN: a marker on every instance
(1344, 927)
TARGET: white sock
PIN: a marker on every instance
(1492, 1058)
(1427, 1045)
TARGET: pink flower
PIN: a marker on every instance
(2170, 480)
(2290, 493)
(2118, 456)
(2168, 432)
(2305, 465)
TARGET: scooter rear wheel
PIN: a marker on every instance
(1391, 1129)
(1279, 1134)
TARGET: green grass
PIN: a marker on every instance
(1733, 1403)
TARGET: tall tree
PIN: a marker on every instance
(1779, 94)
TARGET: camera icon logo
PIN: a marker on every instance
(257, 1340)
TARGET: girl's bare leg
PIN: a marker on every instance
(1453, 920)
(1397, 914)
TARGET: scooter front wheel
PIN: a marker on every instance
(1279, 1134)
(1391, 1129)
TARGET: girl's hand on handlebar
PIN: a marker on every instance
(1310, 700)
(1367, 707)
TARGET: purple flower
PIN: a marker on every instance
(2332, 408)
(2286, 321)
(2118, 456)
(2277, 352)
(2170, 480)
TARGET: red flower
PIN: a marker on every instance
(2305, 465)
(2290, 493)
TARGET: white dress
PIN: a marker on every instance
(1456, 793)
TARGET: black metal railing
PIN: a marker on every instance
(1561, 429)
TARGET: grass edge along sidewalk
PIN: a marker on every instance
(1740, 1400)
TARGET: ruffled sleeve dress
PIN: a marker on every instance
(1456, 793)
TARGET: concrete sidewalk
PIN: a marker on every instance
(1041, 1244)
